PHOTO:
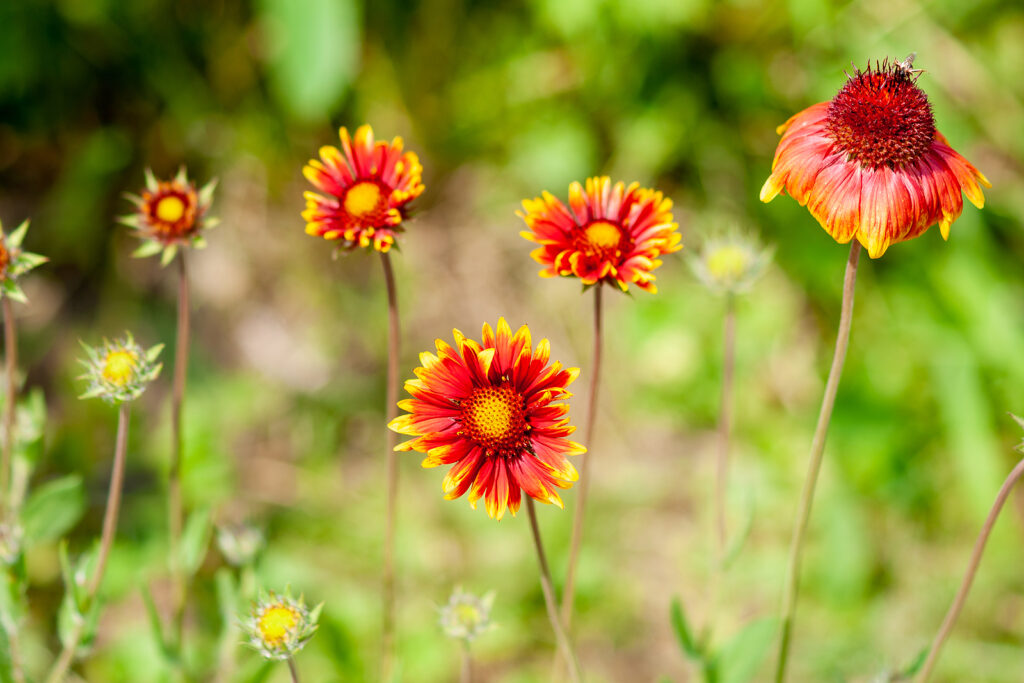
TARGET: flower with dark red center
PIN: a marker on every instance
(170, 214)
(612, 233)
(15, 261)
(492, 411)
(368, 186)
(870, 164)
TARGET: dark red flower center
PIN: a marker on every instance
(495, 417)
(881, 117)
(601, 240)
(171, 212)
(366, 202)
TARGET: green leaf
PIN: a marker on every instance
(683, 634)
(194, 540)
(911, 669)
(53, 509)
(156, 626)
(740, 658)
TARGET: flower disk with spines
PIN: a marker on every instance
(612, 233)
(730, 263)
(492, 411)
(280, 625)
(119, 371)
(15, 262)
(367, 188)
(870, 163)
(170, 214)
(466, 617)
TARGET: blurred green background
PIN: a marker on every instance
(285, 408)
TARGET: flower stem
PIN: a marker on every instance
(293, 670)
(725, 422)
(569, 594)
(391, 410)
(792, 585)
(972, 569)
(10, 405)
(175, 508)
(466, 670)
(106, 542)
(549, 598)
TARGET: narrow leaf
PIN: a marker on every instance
(53, 509)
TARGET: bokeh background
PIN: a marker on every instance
(285, 408)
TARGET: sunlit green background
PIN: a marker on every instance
(502, 100)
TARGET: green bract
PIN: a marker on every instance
(119, 371)
(280, 625)
(15, 262)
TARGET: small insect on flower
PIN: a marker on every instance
(465, 616)
(368, 187)
(119, 371)
(280, 625)
(730, 264)
(15, 262)
(170, 214)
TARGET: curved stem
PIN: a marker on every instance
(725, 422)
(549, 598)
(391, 411)
(67, 654)
(10, 404)
(293, 670)
(972, 569)
(792, 585)
(584, 481)
(176, 512)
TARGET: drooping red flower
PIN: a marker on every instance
(368, 187)
(492, 411)
(870, 163)
(613, 234)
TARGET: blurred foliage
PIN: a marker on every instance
(284, 414)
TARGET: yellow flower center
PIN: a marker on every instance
(494, 418)
(275, 623)
(362, 199)
(728, 262)
(170, 209)
(468, 615)
(603, 235)
(119, 366)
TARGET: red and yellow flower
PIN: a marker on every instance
(612, 233)
(493, 412)
(870, 163)
(170, 214)
(368, 187)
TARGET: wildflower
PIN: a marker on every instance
(465, 616)
(730, 264)
(279, 626)
(612, 233)
(15, 262)
(368, 186)
(491, 412)
(119, 371)
(871, 165)
(240, 543)
(170, 214)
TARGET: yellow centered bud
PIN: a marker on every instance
(275, 623)
(603, 235)
(119, 367)
(362, 199)
(170, 209)
(728, 262)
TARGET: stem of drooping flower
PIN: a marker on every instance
(584, 484)
(175, 507)
(10, 405)
(725, 422)
(466, 669)
(792, 585)
(972, 569)
(67, 654)
(293, 670)
(391, 411)
(549, 598)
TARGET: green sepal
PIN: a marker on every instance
(199, 242)
(153, 352)
(148, 248)
(12, 291)
(206, 193)
(152, 184)
(18, 235)
(169, 253)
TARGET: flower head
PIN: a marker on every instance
(170, 214)
(280, 625)
(871, 165)
(612, 233)
(240, 543)
(15, 262)
(368, 187)
(492, 412)
(119, 371)
(465, 616)
(730, 264)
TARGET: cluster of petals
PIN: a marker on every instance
(492, 411)
(609, 233)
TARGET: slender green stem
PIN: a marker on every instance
(10, 405)
(175, 511)
(549, 598)
(972, 569)
(725, 423)
(568, 597)
(67, 654)
(293, 670)
(391, 411)
(466, 668)
(792, 586)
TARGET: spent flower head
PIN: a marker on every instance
(170, 214)
(120, 370)
(465, 616)
(15, 262)
(280, 625)
(240, 543)
(731, 263)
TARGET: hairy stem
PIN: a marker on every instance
(175, 511)
(972, 569)
(725, 423)
(792, 586)
(391, 410)
(293, 670)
